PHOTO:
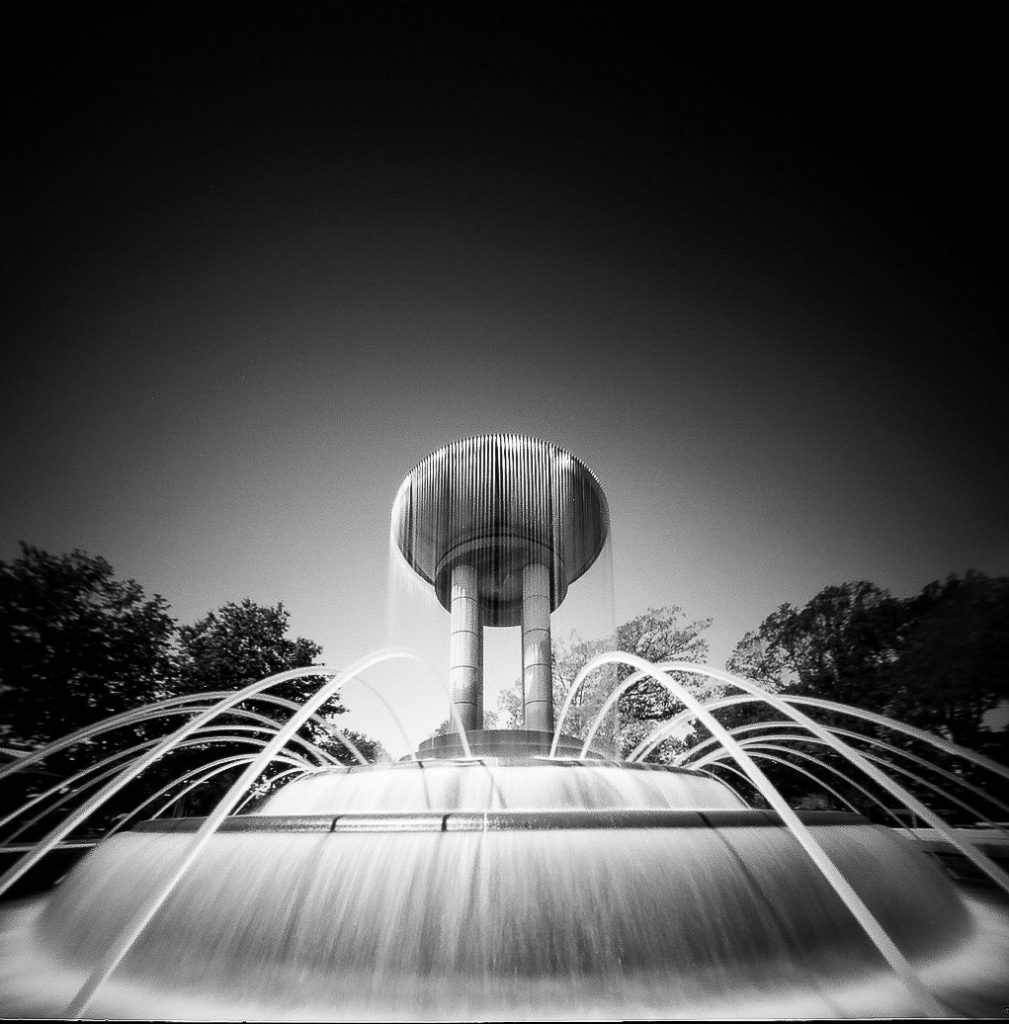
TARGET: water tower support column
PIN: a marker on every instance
(500, 526)
(536, 672)
(466, 659)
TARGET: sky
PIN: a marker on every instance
(261, 259)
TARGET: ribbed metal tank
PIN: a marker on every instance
(499, 503)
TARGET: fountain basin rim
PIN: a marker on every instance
(504, 821)
(518, 760)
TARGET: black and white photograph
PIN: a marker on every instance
(504, 512)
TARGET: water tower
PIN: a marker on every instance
(500, 526)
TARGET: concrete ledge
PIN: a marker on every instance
(503, 821)
(502, 744)
(242, 823)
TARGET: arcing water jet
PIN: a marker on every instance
(500, 875)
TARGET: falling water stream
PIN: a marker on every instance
(490, 888)
(502, 875)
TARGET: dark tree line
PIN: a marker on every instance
(78, 645)
(938, 660)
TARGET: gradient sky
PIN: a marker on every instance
(263, 258)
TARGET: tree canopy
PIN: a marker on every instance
(659, 634)
(241, 643)
(937, 660)
(838, 645)
(76, 644)
(952, 668)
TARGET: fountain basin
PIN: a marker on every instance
(513, 782)
(500, 912)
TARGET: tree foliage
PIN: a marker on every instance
(839, 645)
(76, 644)
(953, 664)
(241, 643)
(659, 634)
(937, 660)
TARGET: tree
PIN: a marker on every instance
(568, 657)
(936, 660)
(511, 710)
(953, 666)
(227, 649)
(76, 645)
(838, 646)
(243, 642)
(660, 634)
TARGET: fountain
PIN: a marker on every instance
(503, 874)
